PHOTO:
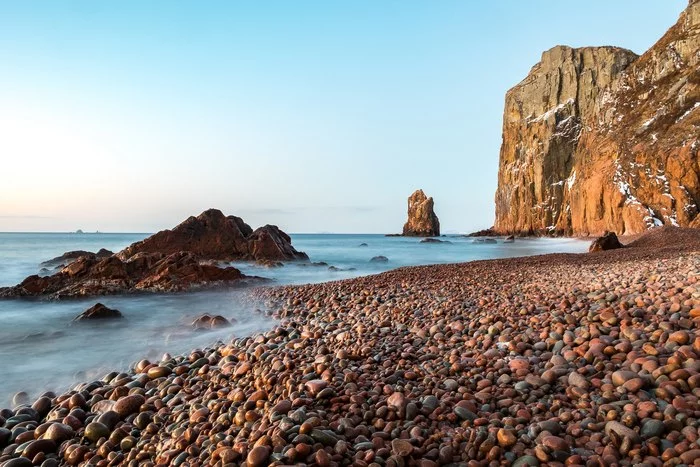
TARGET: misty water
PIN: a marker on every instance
(42, 349)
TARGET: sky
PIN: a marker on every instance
(316, 116)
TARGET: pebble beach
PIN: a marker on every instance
(567, 359)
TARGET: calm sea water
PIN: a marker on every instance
(41, 349)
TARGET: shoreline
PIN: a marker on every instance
(514, 359)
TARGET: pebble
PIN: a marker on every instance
(556, 360)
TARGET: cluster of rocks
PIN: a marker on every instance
(215, 236)
(169, 261)
(551, 360)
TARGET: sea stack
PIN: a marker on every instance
(422, 221)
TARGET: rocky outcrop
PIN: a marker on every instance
(98, 311)
(608, 241)
(598, 139)
(143, 272)
(168, 261)
(214, 236)
(422, 221)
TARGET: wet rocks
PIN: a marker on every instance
(552, 360)
(434, 240)
(98, 312)
(168, 261)
(128, 405)
(141, 273)
(207, 321)
(608, 241)
(379, 259)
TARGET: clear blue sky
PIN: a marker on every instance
(316, 116)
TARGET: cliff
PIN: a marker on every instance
(598, 139)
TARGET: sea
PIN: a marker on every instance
(43, 349)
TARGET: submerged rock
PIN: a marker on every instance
(434, 240)
(207, 321)
(484, 240)
(379, 259)
(99, 311)
(422, 221)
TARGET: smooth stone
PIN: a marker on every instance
(652, 428)
(401, 447)
(128, 405)
(578, 380)
(58, 433)
(40, 445)
(526, 461)
(96, 430)
(258, 456)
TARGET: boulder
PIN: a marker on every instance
(207, 321)
(379, 259)
(422, 221)
(509, 239)
(98, 311)
(608, 241)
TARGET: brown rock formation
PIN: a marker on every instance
(214, 236)
(608, 241)
(169, 261)
(422, 221)
(144, 272)
(596, 139)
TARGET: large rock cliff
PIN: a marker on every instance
(598, 139)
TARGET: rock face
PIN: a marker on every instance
(608, 241)
(598, 139)
(98, 311)
(214, 236)
(422, 221)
